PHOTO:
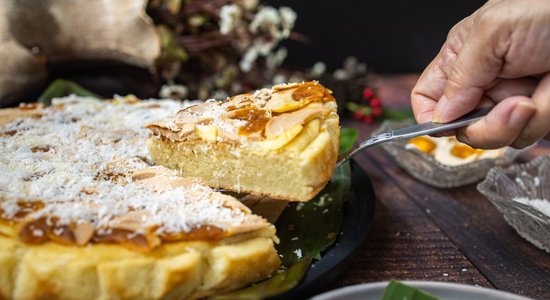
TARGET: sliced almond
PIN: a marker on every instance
(83, 232)
(131, 221)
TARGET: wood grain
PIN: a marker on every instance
(425, 233)
(403, 243)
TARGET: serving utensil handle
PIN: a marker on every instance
(414, 131)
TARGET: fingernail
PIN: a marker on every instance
(439, 111)
(521, 114)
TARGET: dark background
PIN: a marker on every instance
(394, 36)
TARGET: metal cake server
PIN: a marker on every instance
(414, 131)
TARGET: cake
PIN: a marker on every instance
(280, 142)
(84, 214)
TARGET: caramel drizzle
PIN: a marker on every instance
(256, 119)
(82, 233)
(41, 230)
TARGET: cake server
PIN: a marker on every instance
(414, 131)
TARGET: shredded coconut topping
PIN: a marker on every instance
(252, 117)
(77, 160)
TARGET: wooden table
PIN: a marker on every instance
(425, 233)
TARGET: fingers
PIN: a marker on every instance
(475, 69)
(431, 84)
(502, 126)
(427, 91)
(539, 124)
(506, 124)
(512, 87)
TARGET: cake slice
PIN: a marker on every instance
(280, 142)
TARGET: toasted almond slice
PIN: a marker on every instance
(83, 232)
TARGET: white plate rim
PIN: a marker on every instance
(341, 292)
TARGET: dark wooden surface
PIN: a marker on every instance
(425, 233)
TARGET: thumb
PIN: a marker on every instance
(476, 67)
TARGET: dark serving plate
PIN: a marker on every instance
(358, 216)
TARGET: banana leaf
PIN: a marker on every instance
(398, 290)
(396, 114)
(306, 230)
(348, 136)
(278, 284)
(63, 88)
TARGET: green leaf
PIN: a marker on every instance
(397, 291)
(277, 284)
(348, 136)
(307, 229)
(396, 114)
(63, 88)
(170, 49)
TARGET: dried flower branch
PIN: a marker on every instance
(217, 47)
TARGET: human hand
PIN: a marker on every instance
(499, 56)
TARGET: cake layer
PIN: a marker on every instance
(180, 270)
(280, 142)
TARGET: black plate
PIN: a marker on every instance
(358, 216)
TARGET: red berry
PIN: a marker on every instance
(367, 93)
(359, 115)
(375, 102)
(377, 111)
(367, 119)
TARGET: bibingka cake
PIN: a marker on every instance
(85, 215)
(280, 142)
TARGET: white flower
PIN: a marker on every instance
(265, 18)
(173, 91)
(230, 16)
(318, 69)
(276, 59)
(248, 59)
(341, 74)
(272, 25)
(288, 19)
(219, 94)
(278, 79)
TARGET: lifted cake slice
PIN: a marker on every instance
(280, 142)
